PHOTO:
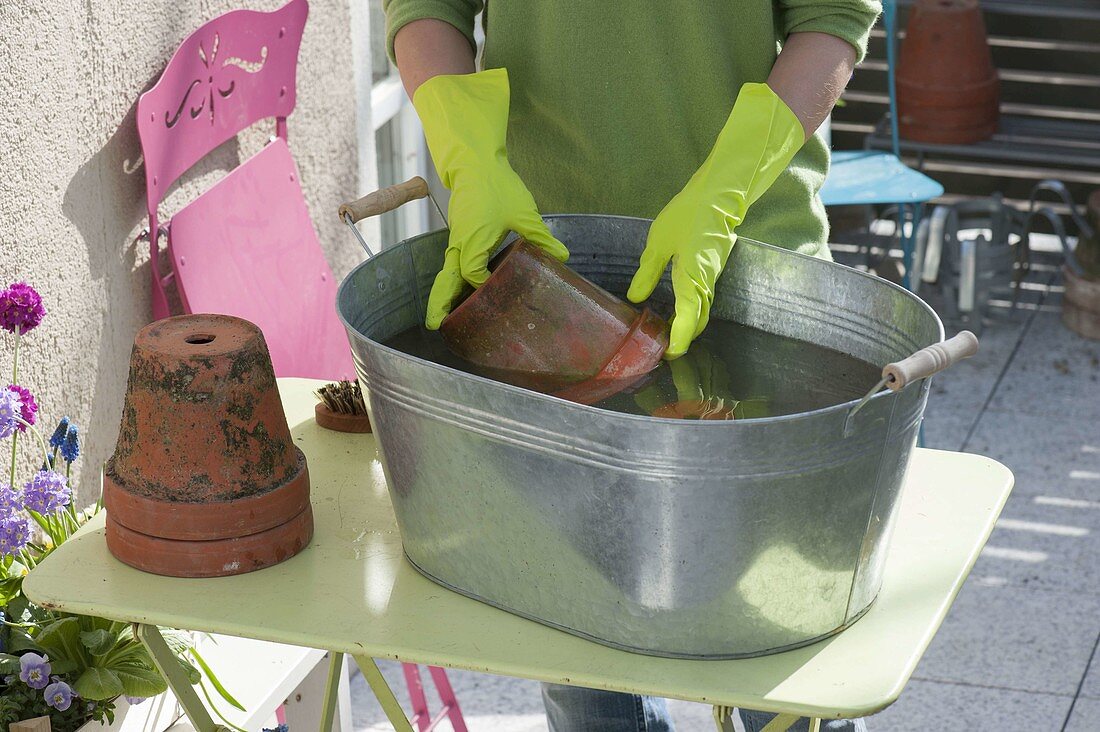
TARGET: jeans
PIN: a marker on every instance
(576, 709)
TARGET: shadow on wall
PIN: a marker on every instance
(105, 200)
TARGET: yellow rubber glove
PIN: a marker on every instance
(465, 119)
(696, 229)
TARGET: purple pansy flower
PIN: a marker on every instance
(20, 308)
(59, 695)
(11, 407)
(28, 407)
(34, 670)
(47, 492)
(15, 532)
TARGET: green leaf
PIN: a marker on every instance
(11, 589)
(138, 680)
(61, 640)
(214, 680)
(62, 667)
(193, 674)
(20, 640)
(9, 664)
(176, 640)
(16, 608)
(98, 684)
(98, 642)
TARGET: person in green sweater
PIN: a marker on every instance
(699, 115)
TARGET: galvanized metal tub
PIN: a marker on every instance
(675, 538)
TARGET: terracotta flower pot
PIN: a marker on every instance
(947, 86)
(204, 456)
(537, 324)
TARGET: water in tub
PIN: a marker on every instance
(732, 371)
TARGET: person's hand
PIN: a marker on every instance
(465, 119)
(695, 231)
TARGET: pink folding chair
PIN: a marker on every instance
(247, 246)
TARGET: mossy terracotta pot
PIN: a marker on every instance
(537, 324)
(948, 90)
(204, 456)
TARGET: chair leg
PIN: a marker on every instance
(908, 241)
(420, 716)
(447, 697)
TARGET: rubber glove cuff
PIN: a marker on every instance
(695, 231)
(465, 119)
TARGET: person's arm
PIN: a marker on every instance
(768, 125)
(810, 74)
(429, 47)
(465, 118)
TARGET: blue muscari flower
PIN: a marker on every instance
(70, 448)
(58, 435)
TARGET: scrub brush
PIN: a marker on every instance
(342, 408)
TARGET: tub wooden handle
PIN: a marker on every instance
(384, 200)
(930, 360)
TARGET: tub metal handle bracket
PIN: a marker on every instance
(922, 364)
(383, 201)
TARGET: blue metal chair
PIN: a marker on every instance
(865, 177)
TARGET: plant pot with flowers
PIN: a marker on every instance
(73, 669)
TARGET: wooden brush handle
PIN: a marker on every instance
(930, 360)
(385, 200)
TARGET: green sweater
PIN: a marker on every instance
(616, 103)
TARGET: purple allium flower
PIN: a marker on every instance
(34, 670)
(47, 492)
(58, 435)
(70, 448)
(15, 532)
(10, 501)
(59, 695)
(20, 308)
(11, 406)
(28, 407)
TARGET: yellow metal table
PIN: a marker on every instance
(352, 591)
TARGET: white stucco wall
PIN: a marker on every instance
(72, 187)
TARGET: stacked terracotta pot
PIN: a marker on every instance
(948, 90)
(205, 480)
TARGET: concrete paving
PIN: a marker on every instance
(1018, 650)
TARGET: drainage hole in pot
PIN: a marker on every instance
(199, 339)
